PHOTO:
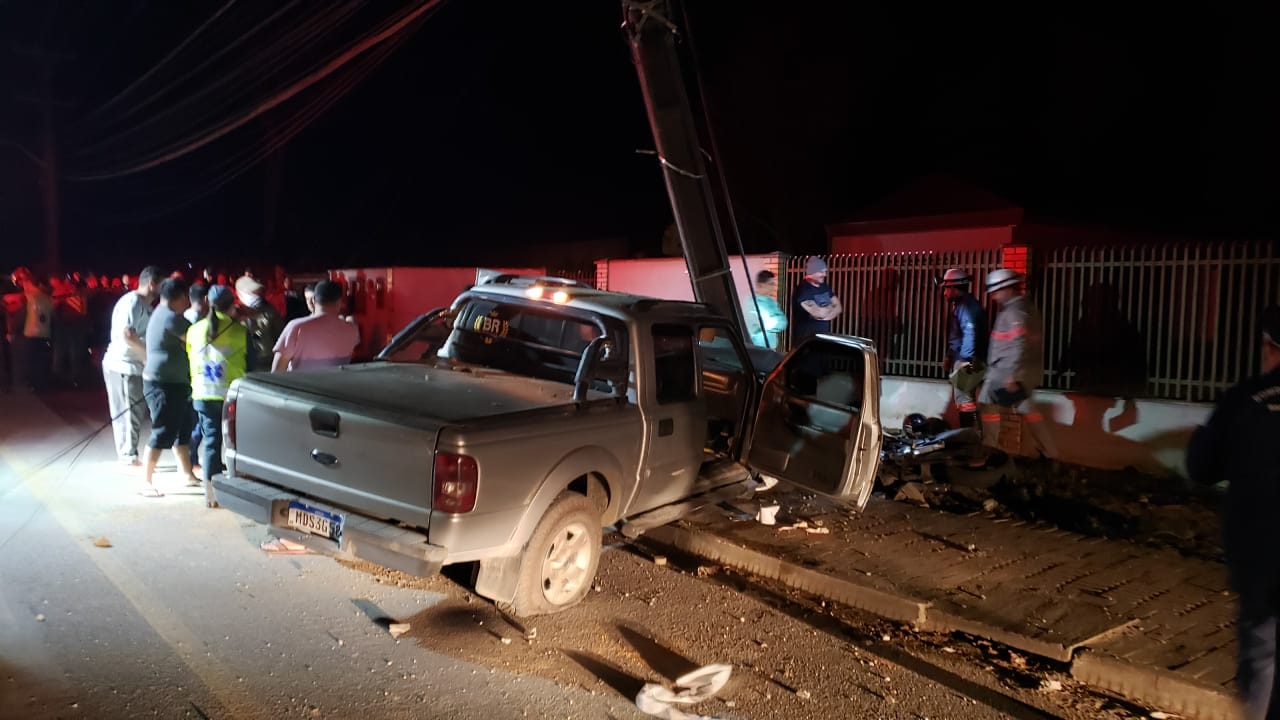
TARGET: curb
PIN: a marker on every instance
(1150, 685)
(1170, 692)
(717, 549)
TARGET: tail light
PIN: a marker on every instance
(457, 477)
(229, 422)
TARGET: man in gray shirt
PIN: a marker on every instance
(166, 383)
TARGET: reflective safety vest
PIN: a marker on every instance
(214, 365)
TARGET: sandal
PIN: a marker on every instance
(280, 546)
(150, 491)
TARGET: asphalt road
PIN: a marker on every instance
(114, 605)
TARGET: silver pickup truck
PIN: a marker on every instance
(509, 429)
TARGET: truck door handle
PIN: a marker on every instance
(324, 422)
(666, 426)
(324, 458)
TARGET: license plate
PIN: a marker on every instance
(315, 521)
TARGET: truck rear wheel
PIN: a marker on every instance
(560, 561)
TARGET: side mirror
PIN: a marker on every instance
(597, 351)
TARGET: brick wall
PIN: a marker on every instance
(602, 274)
(1012, 428)
(1016, 257)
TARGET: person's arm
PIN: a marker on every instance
(775, 321)
(1203, 451)
(814, 310)
(123, 317)
(835, 308)
(284, 349)
(968, 335)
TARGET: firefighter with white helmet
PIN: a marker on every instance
(966, 358)
(1015, 361)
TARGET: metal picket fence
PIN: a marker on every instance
(1175, 321)
(891, 299)
(579, 274)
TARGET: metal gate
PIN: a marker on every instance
(1178, 322)
(891, 299)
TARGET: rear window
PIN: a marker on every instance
(528, 340)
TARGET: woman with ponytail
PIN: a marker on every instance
(217, 347)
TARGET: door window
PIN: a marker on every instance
(829, 374)
(673, 363)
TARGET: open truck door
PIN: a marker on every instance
(818, 421)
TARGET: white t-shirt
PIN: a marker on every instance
(318, 341)
(131, 311)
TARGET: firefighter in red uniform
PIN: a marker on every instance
(1015, 362)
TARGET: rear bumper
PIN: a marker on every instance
(363, 537)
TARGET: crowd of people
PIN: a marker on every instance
(168, 349)
(54, 330)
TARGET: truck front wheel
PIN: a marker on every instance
(560, 561)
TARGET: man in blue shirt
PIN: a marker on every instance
(814, 305)
(967, 338)
(765, 320)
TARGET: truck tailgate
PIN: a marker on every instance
(333, 449)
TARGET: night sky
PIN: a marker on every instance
(497, 126)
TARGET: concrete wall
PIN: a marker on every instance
(1100, 432)
(668, 278)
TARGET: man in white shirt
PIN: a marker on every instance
(123, 361)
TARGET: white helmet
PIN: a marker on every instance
(955, 277)
(1003, 278)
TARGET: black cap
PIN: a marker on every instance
(1271, 324)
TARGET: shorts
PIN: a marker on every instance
(170, 405)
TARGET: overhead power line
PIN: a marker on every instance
(212, 101)
(243, 161)
(389, 31)
(162, 62)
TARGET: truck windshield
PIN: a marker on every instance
(524, 339)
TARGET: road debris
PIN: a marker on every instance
(1051, 685)
(398, 629)
(696, 686)
(911, 492)
(1158, 715)
(767, 514)
(767, 482)
(40, 618)
(660, 560)
(102, 542)
(804, 525)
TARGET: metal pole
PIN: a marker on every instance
(652, 37)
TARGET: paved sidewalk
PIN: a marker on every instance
(1145, 622)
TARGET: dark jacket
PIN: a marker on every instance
(264, 324)
(1241, 444)
(967, 331)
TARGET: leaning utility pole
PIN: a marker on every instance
(652, 34)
